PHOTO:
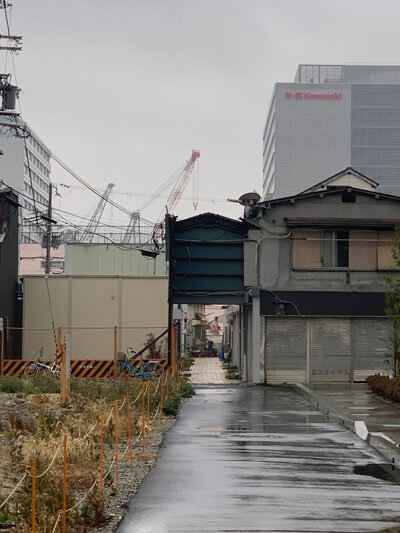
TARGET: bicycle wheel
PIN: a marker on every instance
(152, 368)
(31, 370)
(56, 371)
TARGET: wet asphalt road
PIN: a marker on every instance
(258, 459)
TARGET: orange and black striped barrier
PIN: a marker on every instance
(80, 368)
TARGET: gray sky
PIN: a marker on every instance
(123, 90)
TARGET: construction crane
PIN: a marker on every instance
(178, 180)
(90, 230)
(175, 196)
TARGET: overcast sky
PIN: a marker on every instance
(123, 90)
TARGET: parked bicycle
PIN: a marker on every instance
(37, 367)
(125, 369)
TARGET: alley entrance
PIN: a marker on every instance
(208, 370)
(260, 459)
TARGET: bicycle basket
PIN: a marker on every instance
(121, 356)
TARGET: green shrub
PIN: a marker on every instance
(44, 383)
(187, 362)
(385, 386)
(5, 515)
(10, 384)
(186, 390)
(92, 512)
(171, 406)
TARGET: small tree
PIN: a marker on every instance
(392, 301)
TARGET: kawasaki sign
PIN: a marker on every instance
(313, 96)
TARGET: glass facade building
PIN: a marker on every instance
(332, 117)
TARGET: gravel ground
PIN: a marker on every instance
(129, 481)
(116, 502)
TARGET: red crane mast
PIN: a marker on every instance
(175, 195)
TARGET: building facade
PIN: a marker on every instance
(10, 306)
(329, 118)
(313, 268)
(25, 166)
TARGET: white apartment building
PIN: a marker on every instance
(25, 166)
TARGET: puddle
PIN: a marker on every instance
(384, 471)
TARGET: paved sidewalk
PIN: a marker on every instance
(372, 418)
(260, 459)
(208, 370)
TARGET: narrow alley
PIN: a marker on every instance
(246, 458)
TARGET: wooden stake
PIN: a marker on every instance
(162, 397)
(143, 419)
(148, 411)
(59, 341)
(115, 352)
(116, 443)
(167, 379)
(65, 379)
(33, 473)
(129, 430)
(101, 455)
(174, 346)
(64, 502)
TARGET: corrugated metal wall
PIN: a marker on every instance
(109, 260)
(330, 349)
(370, 333)
(286, 346)
(325, 349)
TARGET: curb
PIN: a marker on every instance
(379, 441)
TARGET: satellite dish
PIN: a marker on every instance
(250, 198)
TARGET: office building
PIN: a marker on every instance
(25, 166)
(329, 118)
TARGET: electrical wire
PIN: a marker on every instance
(88, 186)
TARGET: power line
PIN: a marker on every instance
(148, 195)
(88, 186)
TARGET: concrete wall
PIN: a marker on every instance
(268, 262)
(94, 301)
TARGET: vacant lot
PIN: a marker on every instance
(32, 427)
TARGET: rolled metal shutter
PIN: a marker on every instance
(371, 347)
(330, 349)
(285, 349)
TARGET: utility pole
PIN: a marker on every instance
(48, 230)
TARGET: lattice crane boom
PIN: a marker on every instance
(90, 230)
(176, 194)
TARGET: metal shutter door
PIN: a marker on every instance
(370, 347)
(285, 347)
(330, 349)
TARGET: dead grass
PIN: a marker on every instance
(34, 429)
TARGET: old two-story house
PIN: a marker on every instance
(313, 269)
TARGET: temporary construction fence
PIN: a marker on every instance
(93, 350)
(161, 387)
